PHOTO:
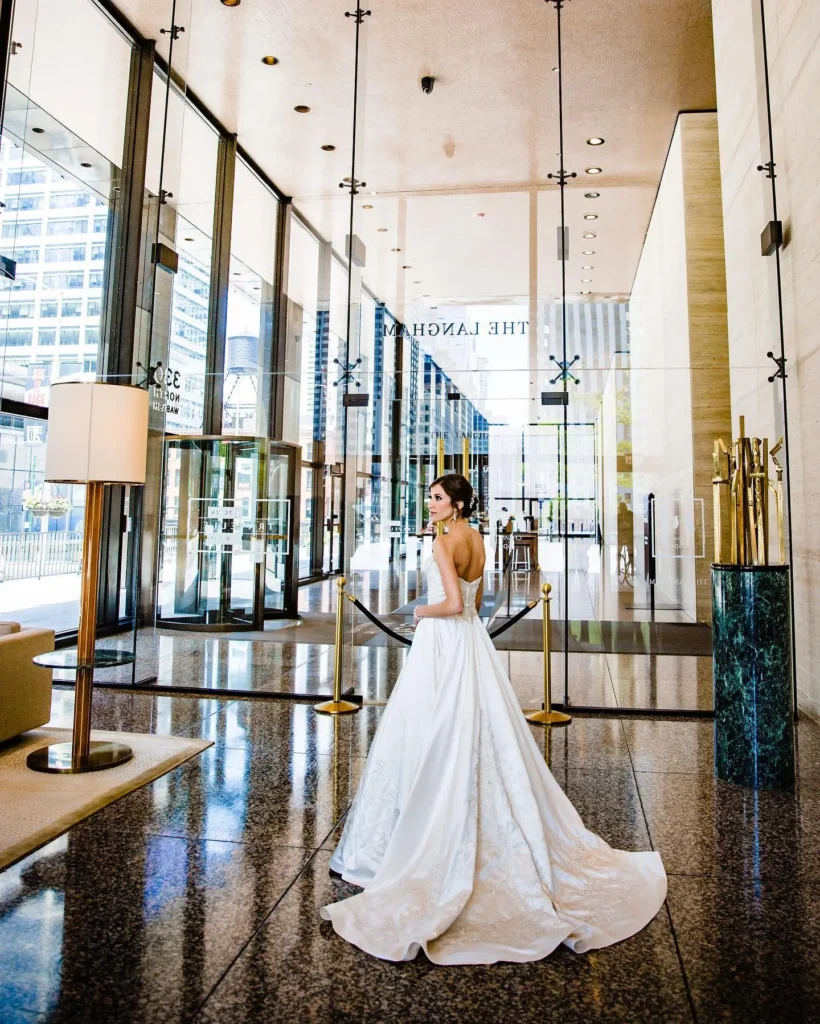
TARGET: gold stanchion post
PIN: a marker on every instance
(337, 706)
(547, 716)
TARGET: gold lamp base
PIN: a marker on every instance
(549, 718)
(57, 758)
(336, 707)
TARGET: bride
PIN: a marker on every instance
(465, 844)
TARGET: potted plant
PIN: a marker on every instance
(36, 504)
(58, 507)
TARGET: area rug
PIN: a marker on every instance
(36, 808)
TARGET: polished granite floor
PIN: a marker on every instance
(196, 898)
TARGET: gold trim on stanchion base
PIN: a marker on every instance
(547, 716)
(337, 706)
(81, 754)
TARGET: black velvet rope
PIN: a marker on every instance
(403, 639)
(511, 622)
(378, 622)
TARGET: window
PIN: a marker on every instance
(92, 336)
(66, 226)
(90, 365)
(48, 309)
(70, 367)
(69, 335)
(16, 338)
(94, 307)
(95, 279)
(27, 255)
(64, 200)
(24, 283)
(198, 286)
(17, 310)
(72, 307)
(65, 254)
(98, 251)
(100, 225)
(46, 336)
(22, 229)
(59, 282)
(34, 201)
(31, 176)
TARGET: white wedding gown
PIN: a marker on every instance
(465, 844)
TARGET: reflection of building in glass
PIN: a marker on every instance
(55, 230)
(189, 336)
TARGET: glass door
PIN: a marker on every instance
(333, 523)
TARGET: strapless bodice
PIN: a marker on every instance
(435, 590)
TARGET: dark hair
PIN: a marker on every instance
(458, 489)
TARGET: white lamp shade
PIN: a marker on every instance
(97, 433)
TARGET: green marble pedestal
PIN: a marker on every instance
(754, 713)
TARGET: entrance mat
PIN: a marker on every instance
(589, 636)
(594, 637)
(36, 808)
(612, 637)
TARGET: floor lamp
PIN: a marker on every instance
(97, 435)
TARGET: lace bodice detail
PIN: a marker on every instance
(435, 590)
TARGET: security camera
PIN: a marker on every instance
(427, 84)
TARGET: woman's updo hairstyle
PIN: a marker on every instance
(458, 489)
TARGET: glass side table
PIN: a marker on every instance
(57, 759)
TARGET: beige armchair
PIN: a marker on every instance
(25, 688)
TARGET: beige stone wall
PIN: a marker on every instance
(680, 364)
(793, 30)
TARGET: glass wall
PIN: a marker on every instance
(249, 343)
(60, 154)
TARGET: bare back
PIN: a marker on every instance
(467, 546)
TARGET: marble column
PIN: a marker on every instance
(754, 713)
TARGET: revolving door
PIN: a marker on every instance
(228, 552)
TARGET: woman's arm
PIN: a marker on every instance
(479, 595)
(452, 603)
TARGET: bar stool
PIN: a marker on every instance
(521, 555)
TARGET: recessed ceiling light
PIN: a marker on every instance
(590, 216)
(406, 266)
(237, 273)
(586, 293)
(189, 239)
(427, 296)
(39, 131)
(395, 250)
(417, 282)
(590, 234)
(257, 288)
(595, 141)
(270, 60)
(592, 195)
(302, 109)
(367, 206)
(374, 193)
(328, 148)
(586, 266)
(593, 170)
(586, 280)
(231, 3)
(381, 230)
(588, 252)
(85, 164)
(555, 69)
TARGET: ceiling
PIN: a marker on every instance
(483, 142)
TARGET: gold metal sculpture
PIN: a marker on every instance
(746, 481)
